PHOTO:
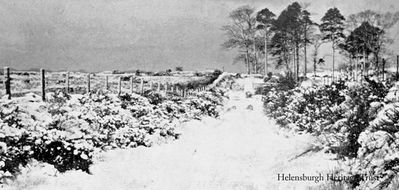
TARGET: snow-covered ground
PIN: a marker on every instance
(243, 149)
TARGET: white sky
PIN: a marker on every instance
(132, 34)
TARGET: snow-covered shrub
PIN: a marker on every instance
(379, 148)
(275, 105)
(311, 109)
(316, 109)
(341, 110)
(67, 131)
(286, 82)
(352, 119)
(155, 97)
(24, 137)
(361, 105)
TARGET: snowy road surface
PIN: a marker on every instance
(241, 150)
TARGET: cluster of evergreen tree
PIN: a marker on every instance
(286, 38)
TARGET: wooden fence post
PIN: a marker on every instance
(67, 82)
(141, 86)
(132, 84)
(7, 82)
(383, 69)
(166, 88)
(159, 87)
(397, 67)
(43, 83)
(151, 85)
(106, 82)
(120, 86)
(88, 83)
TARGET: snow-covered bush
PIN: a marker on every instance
(379, 148)
(311, 109)
(351, 120)
(25, 136)
(67, 131)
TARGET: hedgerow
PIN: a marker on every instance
(353, 120)
(68, 131)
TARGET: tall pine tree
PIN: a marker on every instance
(265, 19)
(332, 28)
(288, 35)
(307, 25)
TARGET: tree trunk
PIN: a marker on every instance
(383, 69)
(293, 64)
(297, 62)
(377, 67)
(367, 66)
(286, 59)
(357, 68)
(333, 66)
(355, 71)
(265, 52)
(255, 59)
(247, 62)
(306, 58)
(351, 67)
(364, 63)
(314, 67)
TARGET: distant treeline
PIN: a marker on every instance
(286, 39)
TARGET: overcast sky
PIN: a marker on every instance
(132, 34)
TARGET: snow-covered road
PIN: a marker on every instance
(242, 149)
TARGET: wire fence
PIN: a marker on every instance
(21, 83)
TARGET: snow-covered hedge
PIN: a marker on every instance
(67, 131)
(378, 154)
(354, 120)
(310, 109)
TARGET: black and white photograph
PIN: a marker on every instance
(199, 94)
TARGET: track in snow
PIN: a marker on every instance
(240, 150)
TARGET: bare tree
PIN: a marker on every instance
(241, 34)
